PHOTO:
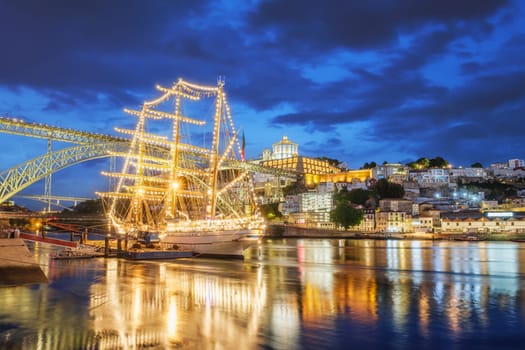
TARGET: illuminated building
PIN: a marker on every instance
(422, 224)
(477, 222)
(393, 221)
(477, 173)
(350, 176)
(302, 165)
(386, 171)
(516, 163)
(290, 205)
(429, 176)
(396, 204)
(284, 149)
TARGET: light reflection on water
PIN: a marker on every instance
(286, 294)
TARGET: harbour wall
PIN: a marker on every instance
(287, 231)
(17, 265)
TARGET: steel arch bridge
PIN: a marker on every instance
(21, 176)
(89, 146)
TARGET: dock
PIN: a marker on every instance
(17, 265)
(153, 254)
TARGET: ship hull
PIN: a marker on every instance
(225, 244)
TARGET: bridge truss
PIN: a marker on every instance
(88, 146)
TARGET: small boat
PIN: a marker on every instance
(78, 253)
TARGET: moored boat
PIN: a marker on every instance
(72, 254)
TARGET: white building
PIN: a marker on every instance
(326, 187)
(393, 221)
(386, 171)
(284, 149)
(480, 173)
(516, 163)
(498, 222)
(290, 205)
(313, 201)
(430, 176)
(507, 173)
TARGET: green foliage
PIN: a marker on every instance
(342, 195)
(370, 165)
(92, 206)
(359, 196)
(346, 215)
(476, 165)
(425, 163)
(493, 190)
(270, 211)
(385, 189)
(421, 163)
(438, 162)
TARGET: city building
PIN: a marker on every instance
(396, 204)
(516, 163)
(389, 170)
(469, 173)
(314, 201)
(281, 150)
(393, 221)
(421, 224)
(429, 176)
(487, 222)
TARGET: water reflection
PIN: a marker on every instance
(287, 294)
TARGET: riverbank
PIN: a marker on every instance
(288, 231)
(17, 265)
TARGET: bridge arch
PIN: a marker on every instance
(17, 178)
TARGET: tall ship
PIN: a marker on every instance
(184, 179)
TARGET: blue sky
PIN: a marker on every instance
(358, 81)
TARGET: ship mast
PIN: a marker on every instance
(166, 178)
(171, 205)
(214, 154)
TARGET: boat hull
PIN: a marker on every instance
(228, 244)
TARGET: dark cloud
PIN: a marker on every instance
(362, 24)
(416, 78)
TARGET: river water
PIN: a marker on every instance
(286, 294)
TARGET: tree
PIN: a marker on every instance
(438, 162)
(476, 165)
(346, 215)
(341, 195)
(359, 196)
(270, 211)
(385, 189)
(421, 163)
(91, 206)
(370, 165)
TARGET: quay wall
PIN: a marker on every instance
(302, 232)
(17, 265)
(288, 231)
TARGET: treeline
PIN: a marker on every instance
(348, 204)
(423, 163)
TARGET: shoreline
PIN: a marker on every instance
(287, 231)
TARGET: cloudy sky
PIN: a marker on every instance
(359, 81)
